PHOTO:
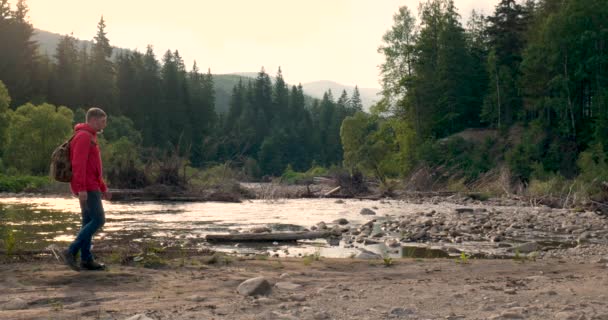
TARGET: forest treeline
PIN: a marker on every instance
(515, 101)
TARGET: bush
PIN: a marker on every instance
(22, 183)
(594, 172)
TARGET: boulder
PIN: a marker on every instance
(367, 212)
(258, 286)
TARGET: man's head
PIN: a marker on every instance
(96, 118)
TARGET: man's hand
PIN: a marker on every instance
(82, 196)
(107, 195)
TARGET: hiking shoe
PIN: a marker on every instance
(69, 259)
(92, 265)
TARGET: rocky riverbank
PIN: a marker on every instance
(195, 288)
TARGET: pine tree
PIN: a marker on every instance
(151, 116)
(65, 78)
(102, 77)
(280, 100)
(506, 31)
(355, 102)
(18, 57)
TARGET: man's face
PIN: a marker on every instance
(99, 123)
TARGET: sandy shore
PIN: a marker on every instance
(197, 287)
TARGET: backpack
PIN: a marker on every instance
(61, 164)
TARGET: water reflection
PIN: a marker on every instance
(37, 222)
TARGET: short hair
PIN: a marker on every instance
(95, 113)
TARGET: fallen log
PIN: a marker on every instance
(332, 191)
(265, 237)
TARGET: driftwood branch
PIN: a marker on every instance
(265, 237)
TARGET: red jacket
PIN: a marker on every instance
(86, 160)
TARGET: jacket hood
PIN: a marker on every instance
(84, 126)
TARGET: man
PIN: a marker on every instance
(87, 183)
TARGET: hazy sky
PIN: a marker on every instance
(310, 39)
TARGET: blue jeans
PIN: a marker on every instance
(93, 218)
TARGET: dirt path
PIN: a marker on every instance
(329, 289)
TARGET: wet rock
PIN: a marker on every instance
(370, 241)
(367, 212)
(366, 254)
(527, 247)
(321, 225)
(139, 317)
(254, 287)
(339, 201)
(14, 304)
(583, 237)
(378, 234)
(397, 312)
(418, 236)
(262, 229)
(463, 210)
(341, 221)
(393, 243)
(287, 286)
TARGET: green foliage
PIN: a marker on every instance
(122, 127)
(463, 258)
(5, 101)
(10, 242)
(290, 176)
(122, 164)
(593, 164)
(308, 259)
(370, 145)
(22, 183)
(33, 134)
(386, 259)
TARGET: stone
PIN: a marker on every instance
(418, 236)
(393, 243)
(367, 212)
(297, 297)
(321, 315)
(254, 287)
(139, 317)
(341, 221)
(366, 254)
(196, 298)
(507, 315)
(463, 210)
(378, 234)
(526, 247)
(566, 316)
(397, 312)
(287, 286)
(14, 304)
(262, 229)
(321, 225)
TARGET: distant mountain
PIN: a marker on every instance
(47, 42)
(369, 96)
